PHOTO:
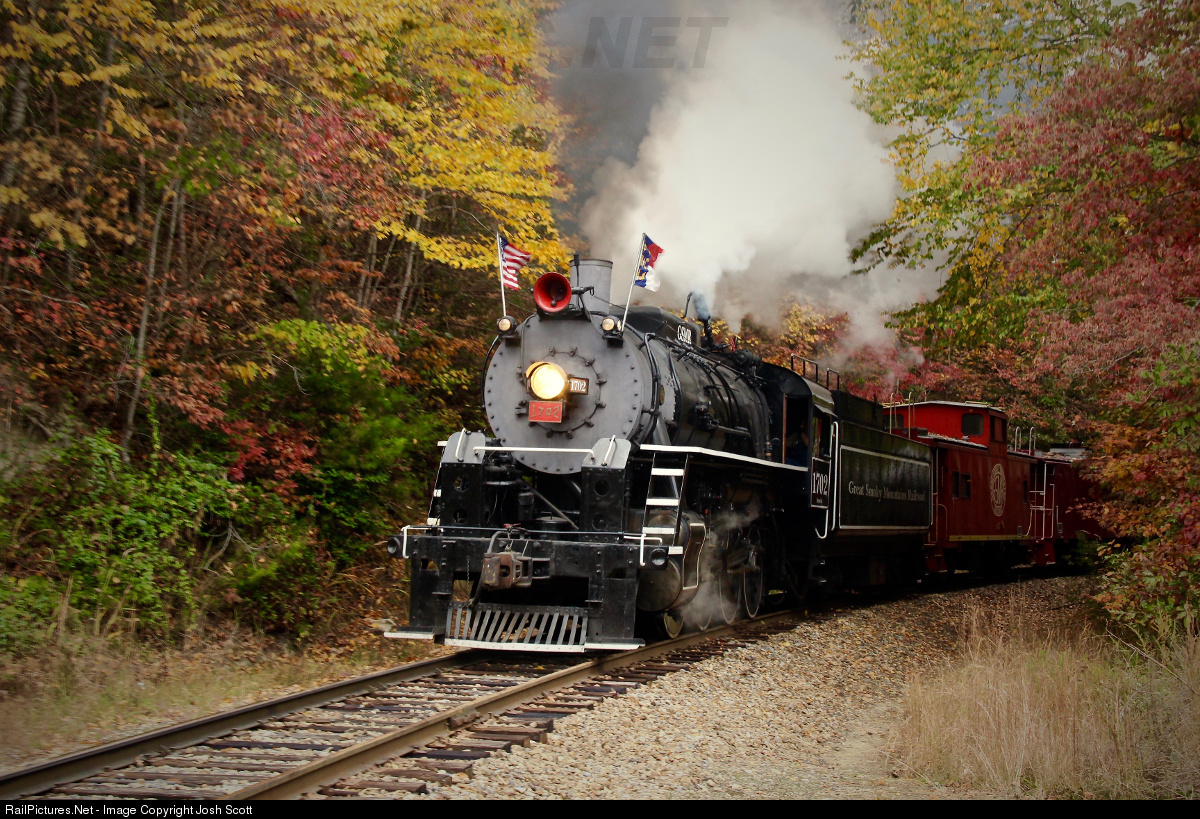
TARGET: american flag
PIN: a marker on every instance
(512, 259)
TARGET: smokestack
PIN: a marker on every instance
(595, 273)
(705, 316)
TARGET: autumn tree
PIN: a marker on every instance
(194, 198)
(326, 155)
(1102, 185)
(1067, 223)
(943, 74)
(799, 331)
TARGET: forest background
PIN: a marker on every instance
(247, 280)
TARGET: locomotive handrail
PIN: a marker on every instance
(641, 539)
(697, 450)
(816, 371)
(836, 452)
(404, 535)
(479, 449)
(804, 368)
(612, 447)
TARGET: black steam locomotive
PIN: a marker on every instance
(643, 478)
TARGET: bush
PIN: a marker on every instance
(328, 426)
(27, 609)
(1148, 465)
(323, 421)
(122, 533)
(322, 453)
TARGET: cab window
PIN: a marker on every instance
(795, 435)
(821, 435)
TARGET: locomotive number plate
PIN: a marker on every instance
(550, 412)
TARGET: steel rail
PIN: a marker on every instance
(37, 778)
(355, 759)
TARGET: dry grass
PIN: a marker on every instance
(1039, 709)
(88, 690)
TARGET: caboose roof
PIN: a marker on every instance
(937, 436)
(974, 405)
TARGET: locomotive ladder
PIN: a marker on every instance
(667, 473)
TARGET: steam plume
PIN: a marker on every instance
(756, 173)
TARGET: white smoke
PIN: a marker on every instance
(757, 176)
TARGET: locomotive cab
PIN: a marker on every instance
(802, 424)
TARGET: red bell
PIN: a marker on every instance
(552, 293)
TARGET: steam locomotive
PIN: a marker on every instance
(643, 479)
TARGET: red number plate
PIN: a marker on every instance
(546, 411)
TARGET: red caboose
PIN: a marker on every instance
(995, 505)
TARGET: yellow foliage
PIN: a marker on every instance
(440, 96)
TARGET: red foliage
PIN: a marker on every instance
(273, 454)
(1110, 172)
(1116, 214)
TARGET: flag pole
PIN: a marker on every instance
(500, 267)
(636, 271)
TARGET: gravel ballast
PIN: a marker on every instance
(802, 714)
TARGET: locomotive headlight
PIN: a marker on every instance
(613, 331)
(547, 381)
(506, 326)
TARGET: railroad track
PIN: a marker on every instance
(394, 731)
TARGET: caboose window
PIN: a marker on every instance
(999, 430)
(966, 485)
(972, 424)
(954, 485)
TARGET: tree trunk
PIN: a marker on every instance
(102, 108)
(17, 109)
(365, 277)
(164, 280)
(383, 269)
(139, 353)
(16, 121)
(406, 284)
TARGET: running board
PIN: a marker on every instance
(409, 634)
